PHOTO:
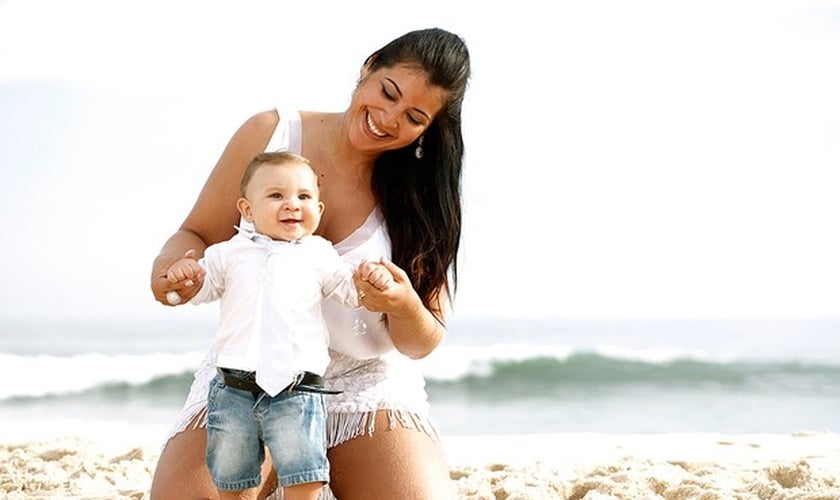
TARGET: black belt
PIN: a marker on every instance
(305, 382)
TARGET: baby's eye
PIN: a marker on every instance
(305, 197)
(276, 196)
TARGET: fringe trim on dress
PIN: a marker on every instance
(343, 426)
(195, 418)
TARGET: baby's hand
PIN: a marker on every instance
(376, 274)
(184, 271)
(183, 275)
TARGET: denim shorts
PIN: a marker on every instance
(291, 425)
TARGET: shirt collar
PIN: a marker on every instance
(256, 237)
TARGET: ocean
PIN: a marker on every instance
(488, 377)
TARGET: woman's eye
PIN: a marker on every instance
(388, 95)
(414, 120)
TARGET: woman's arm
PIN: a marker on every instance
(415, 330)
(214, 214)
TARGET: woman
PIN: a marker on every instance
(390, 171)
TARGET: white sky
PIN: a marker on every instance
(648, 159)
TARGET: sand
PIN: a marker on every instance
(803, 466)
(118, 463)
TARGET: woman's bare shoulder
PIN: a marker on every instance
(262, 120)
(249, 139)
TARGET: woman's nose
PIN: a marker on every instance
(389, 117)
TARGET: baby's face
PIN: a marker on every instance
(282, 201)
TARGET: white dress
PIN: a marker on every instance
(364, 364)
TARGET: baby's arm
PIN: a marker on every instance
(376, 274)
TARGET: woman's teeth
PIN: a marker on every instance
(372, 127)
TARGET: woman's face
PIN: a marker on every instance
(392, 107)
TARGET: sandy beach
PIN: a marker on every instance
(803, 466)
(106, 464)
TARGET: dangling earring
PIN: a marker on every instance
(418, 152)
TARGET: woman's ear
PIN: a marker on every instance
(366, 68)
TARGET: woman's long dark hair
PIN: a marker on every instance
(420, 198)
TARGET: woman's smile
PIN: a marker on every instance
(372, 126)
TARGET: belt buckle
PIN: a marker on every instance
(296, 381)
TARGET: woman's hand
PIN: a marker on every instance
(415, 331)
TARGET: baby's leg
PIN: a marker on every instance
(304, 491)
(250, 494)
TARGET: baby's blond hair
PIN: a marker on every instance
(270, 158)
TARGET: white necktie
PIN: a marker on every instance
(274, 358)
